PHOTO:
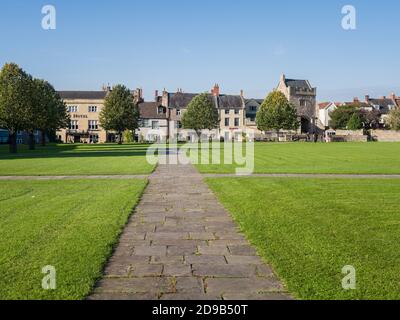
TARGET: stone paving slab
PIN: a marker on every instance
(80, 177)
(181, 244)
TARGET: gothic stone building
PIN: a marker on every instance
(304, 97)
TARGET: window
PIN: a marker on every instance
(237, 122)
(72, 109)
(92, 108)
(161, 110)
(303, 103)
(93, 138)
(73, 125)
(237, 111)
(178, 112)
(253, 109)
(227, 122)
(93, 125)
(226, 111)
(146, 123)
(178, 125)
(155, 125)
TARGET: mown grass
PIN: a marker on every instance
(71, 225)
(310, 229)
(319, 158)
(105, 159)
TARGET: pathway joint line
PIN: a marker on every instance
(170, 246)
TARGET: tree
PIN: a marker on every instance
(277, 113)
(342, 115)
(371, 118)
(15, 101)
(120, 112)
(355, 122)
(52, 114)
(394, 119)
(201, 114)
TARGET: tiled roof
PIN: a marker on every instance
(85, 95)
(149, 110)
(323, 105)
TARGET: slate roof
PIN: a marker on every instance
(181, 100)
(297, 83)
(84, 95)
(149, 110)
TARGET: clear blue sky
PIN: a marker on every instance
(192, 44)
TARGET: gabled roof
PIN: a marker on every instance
(180, 100)
(229, 101)
(149, 110)
(84, 95)
(382, 102)
(324, 105)
(259, 101)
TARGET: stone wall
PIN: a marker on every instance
(385, 135)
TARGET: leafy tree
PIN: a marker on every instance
(201, 114)
(342, 115)
(120, 112)
(277, 113)
(394, 119)
(371, 118)
(15, 101)
(52, 114)
(355, 122)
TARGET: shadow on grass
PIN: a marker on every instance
(75, 151)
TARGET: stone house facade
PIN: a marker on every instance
(304, 97)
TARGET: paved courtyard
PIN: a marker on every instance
(181, 244)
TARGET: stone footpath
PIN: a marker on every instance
(181, 244)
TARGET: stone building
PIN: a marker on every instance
(304, 97)
(84, 108)
(231, 110)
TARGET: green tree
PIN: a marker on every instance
(394, 119)
(355, 122)
(276, 113)
(342, 115)
(52, 112)
(15, 101)
(120, 112)
(201, 114)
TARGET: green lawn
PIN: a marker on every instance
(106, 159)
(71, 225)
(335, 158)
(310, 229)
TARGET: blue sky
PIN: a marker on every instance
(192, 44)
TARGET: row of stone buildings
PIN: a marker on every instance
(162, 117)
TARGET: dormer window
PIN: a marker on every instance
(161, 110)
(178, 112)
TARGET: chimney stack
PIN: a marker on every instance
(367, 98)
(215, 91)
(356, 100)
(393, 96)
(242, 93)
(156, 95)
(283, 78)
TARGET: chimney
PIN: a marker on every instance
(242, 93)
(383, 97)
(283, 78)
(356, 100)
(215, 90)
(367, 98)
(393, 96)
(156, 96)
